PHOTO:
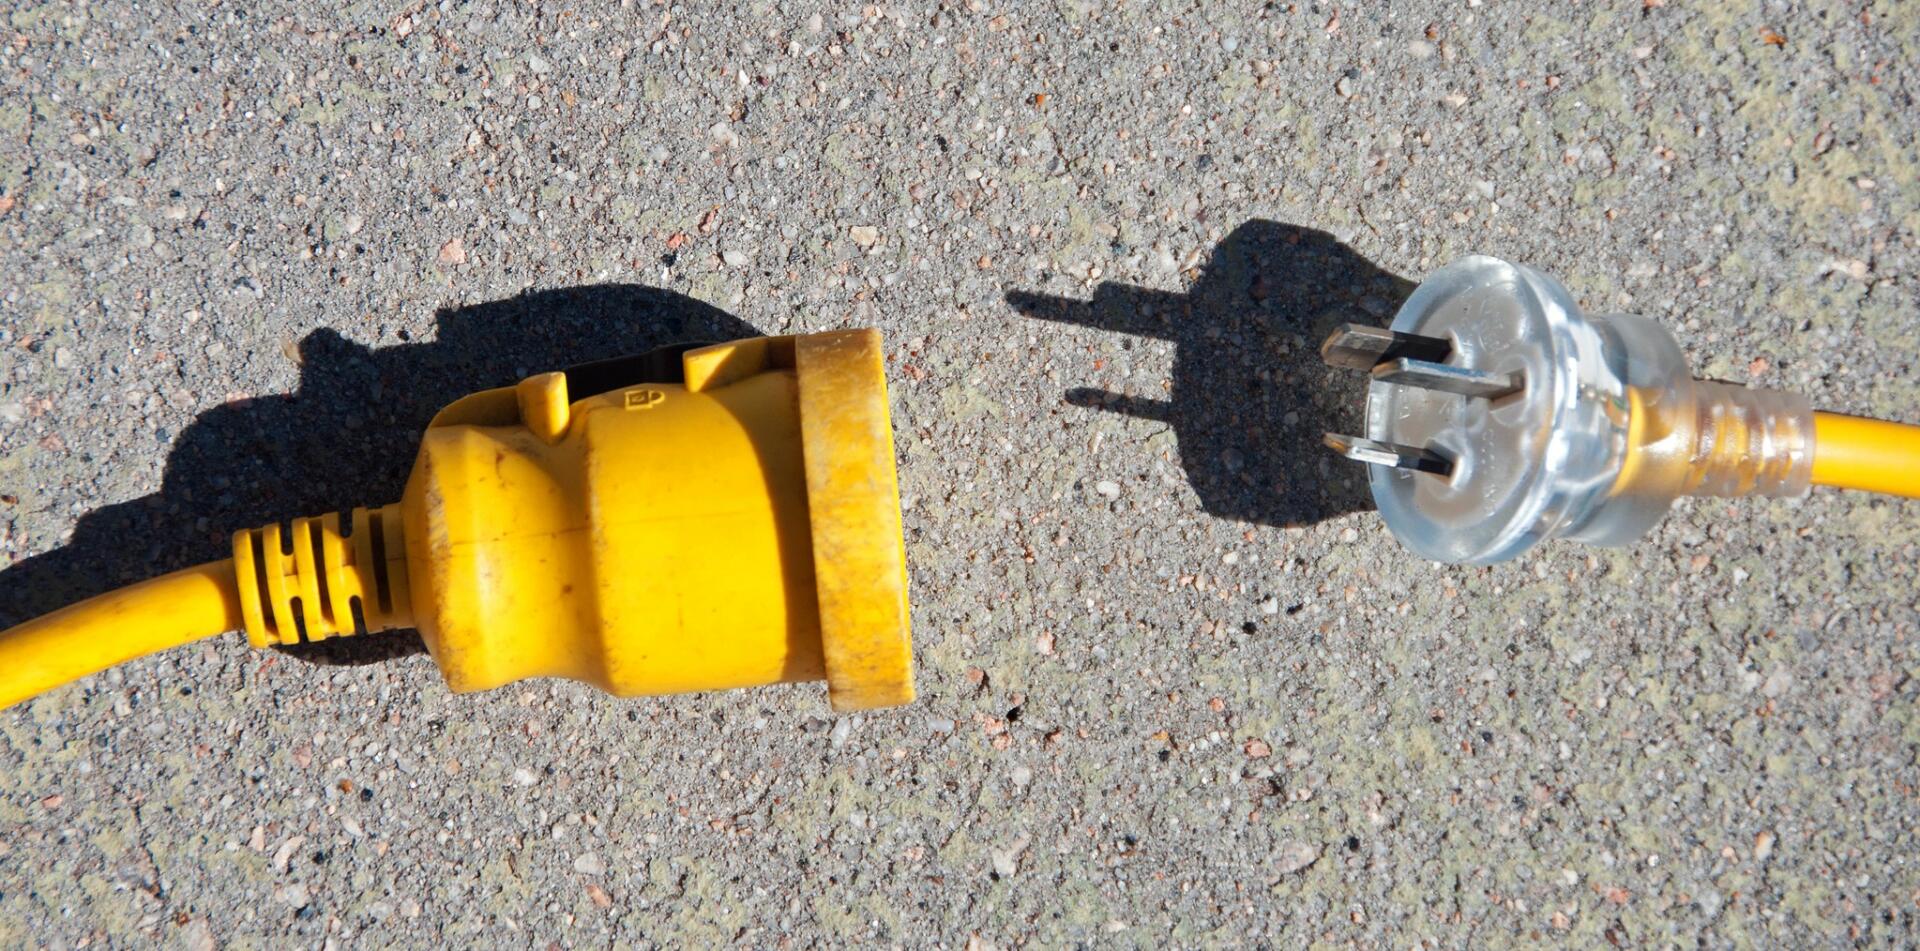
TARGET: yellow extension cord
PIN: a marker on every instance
(1851, 452)
(116, 627)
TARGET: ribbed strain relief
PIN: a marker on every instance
(1751, 442)
(308, 581)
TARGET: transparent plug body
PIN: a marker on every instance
(1501, 416)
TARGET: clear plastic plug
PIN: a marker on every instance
(1501, 416)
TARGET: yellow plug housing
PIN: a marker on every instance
(734, 523)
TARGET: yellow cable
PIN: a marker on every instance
(118, 626)
(1855, 453)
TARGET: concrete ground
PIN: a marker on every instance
(1179, 686)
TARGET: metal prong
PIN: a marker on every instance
(1376, 453)
(1360, 347)
(1465, 381)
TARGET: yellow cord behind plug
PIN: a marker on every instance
(1851, 452)
(117, 627)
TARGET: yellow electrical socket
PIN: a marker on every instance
(734, 523)
(739, 528)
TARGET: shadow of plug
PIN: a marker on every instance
(1250, 396)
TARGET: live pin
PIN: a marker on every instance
(1376, 453)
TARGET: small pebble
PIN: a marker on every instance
(284, 853)
(1294, 855)
(1007, 861)
(198, 936)
(1778, 683)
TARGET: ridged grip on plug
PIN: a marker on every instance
(309, 581)
(1751, 442)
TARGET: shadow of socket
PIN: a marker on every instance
(345, 437)
(1250, 397)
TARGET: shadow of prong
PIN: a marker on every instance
(1136, 406)
(1250, 396)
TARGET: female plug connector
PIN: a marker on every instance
(708, 518)
(1500, 416)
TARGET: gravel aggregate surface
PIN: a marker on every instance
(1179, 686)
